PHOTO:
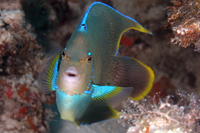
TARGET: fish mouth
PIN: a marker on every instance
(71, 74)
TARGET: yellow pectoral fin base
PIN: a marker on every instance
(101, 93)
(112, 95)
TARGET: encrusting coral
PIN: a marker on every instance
(168, 116)
(18, 47)
(21, 102)
(21, 105)
(183, 18)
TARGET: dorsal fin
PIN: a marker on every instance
(101, 18)
(103, 27)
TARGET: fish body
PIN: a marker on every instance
(88, 78)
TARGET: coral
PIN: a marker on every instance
(161, 89)
(18, 47)
(181, 66)
(128, 41)
(183, 18)
(21, 102)
(168, 115)
(10, 5)
(22, 105)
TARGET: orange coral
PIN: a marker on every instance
(23, 93)
(128, 41)
(32, 125)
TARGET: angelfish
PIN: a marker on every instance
(88, 78)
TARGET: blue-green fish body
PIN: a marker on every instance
(88, 78)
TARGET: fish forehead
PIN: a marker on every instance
(78, 47)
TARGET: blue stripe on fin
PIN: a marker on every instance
(83, 25)
(87, 92)
(108, 92)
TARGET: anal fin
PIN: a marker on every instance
(98, 111)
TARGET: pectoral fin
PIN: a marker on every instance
(49, 76)
(105, 93)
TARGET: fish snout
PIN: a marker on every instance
(71, 74)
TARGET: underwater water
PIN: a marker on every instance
(33, 31)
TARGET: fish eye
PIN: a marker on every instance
(63, 54)
(89, 58)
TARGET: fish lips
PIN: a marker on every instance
(71, 74)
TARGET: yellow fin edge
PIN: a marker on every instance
(115, 113)
(76, 123)
(151, 73)
(149, 85)
(139, 28)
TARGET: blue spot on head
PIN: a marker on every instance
(83, 27)
(89, 53)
